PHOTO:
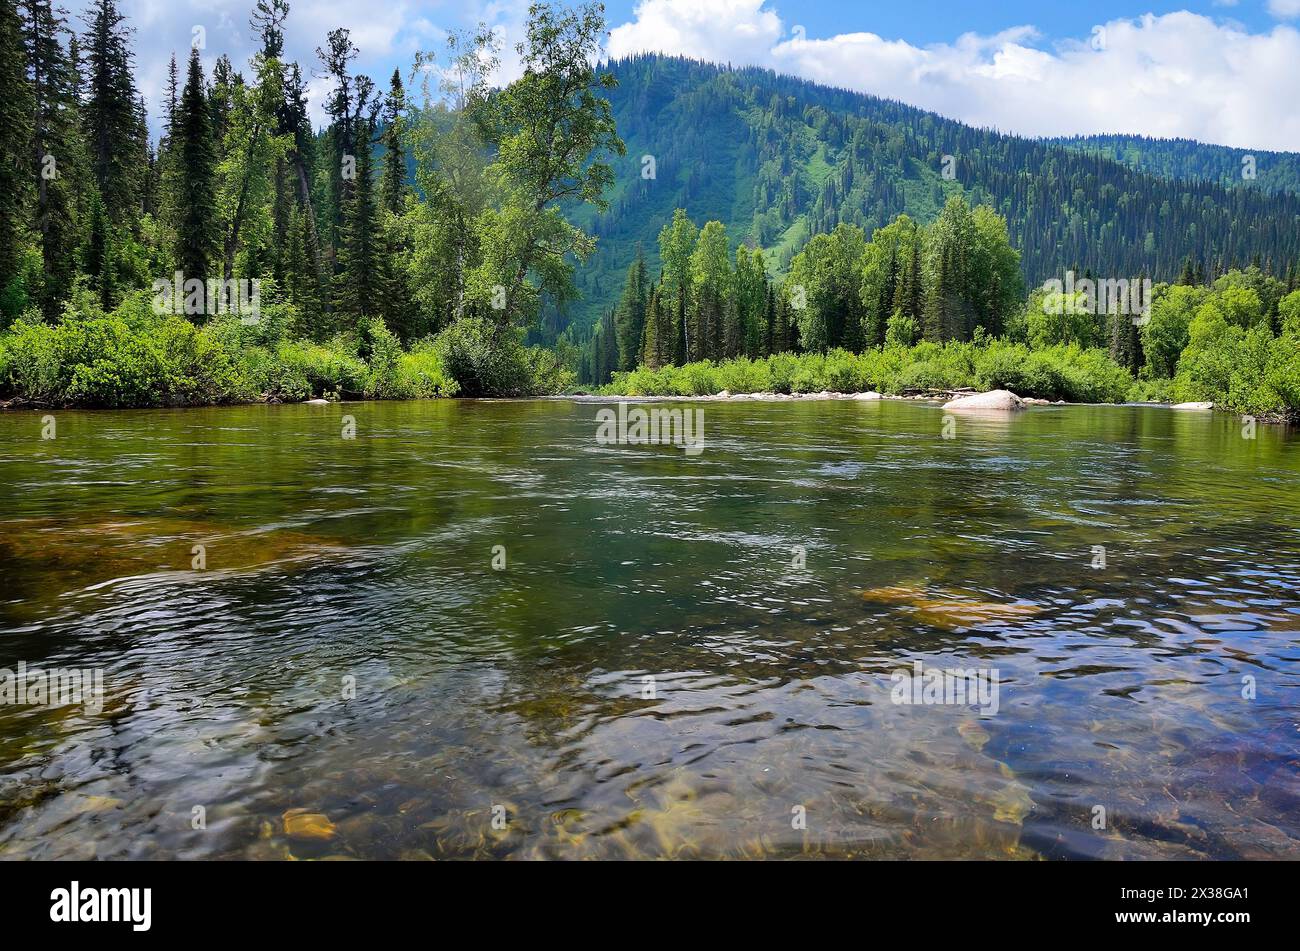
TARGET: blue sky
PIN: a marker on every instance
(936, 21)
(1222, 71)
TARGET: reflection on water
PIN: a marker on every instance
(343, 674)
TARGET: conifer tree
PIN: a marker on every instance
(651, 341)
(110, 117)
(197, 227)
(56, 150)
(631, 314)
(676, 243)
(16, 106)
(360, 281)
(392, 184)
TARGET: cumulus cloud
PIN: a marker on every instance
(1180, 74)
(1284, 9)
(718, 30)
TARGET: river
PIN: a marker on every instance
(474, 630)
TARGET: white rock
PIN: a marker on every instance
(994, 399)
(317, 402)
(872, 395)
(1192, 406)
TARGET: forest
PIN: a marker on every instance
(128, 270)
(918, 309)
(441, 236)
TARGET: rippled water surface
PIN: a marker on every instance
(1161, 687)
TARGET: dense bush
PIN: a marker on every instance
(1066, 372)
(1242, 368)
(134, 356)
(485, 358)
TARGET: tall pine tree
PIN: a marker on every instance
(197, 226)
(110, 117)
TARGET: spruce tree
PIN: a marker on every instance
(15, 142)
(651, 353)
(197, 226)
(631, 315)
(392, 184)
(98, 255)
(360, 281)
(56, 150)
(337, 57)
(110, 117)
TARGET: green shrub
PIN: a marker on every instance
(485, 358)
(1064, 371)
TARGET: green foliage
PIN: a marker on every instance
(1165, 335)
(1064, 371)
(1194, 161)
(486, 358)
(129, 357)
(901, 330)
(133, 356)
(779, 160)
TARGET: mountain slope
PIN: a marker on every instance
(777, 159)
(1189, 160)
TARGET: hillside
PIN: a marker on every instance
(778, 159)
(1192, 161)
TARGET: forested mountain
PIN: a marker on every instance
(1191, 161)
(778, 159)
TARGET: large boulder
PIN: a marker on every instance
(992, 400)
(1192, 406)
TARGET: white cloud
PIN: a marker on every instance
(718, 30)
(1284, 9)
(1181, 74)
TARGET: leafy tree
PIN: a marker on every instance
(245, 174)
(711, 289)
(551, 131)
(828, 276)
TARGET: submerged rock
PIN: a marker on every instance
(949, 609)
(301, 824)
(993, 400)
(317, 402)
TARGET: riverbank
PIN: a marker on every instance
(135, 357)
(1064, 373)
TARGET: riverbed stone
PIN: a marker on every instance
(301, 824)
(992, 400)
